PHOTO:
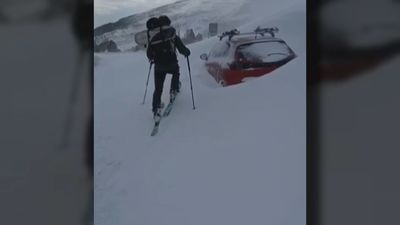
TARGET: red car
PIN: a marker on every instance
(240, 56)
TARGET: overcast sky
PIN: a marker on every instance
(106, 11)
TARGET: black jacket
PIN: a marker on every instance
(162, 49)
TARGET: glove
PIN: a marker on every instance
(187, 53)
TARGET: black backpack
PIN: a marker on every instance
(163, 44)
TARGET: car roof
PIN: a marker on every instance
(245, 39)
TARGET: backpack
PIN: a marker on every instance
(163, 44)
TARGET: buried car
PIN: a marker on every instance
(238, 56)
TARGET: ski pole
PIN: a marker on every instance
(147, 83)
(190, 77)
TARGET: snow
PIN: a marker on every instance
(186, 14)
(265, 51)
(239, 158)
(197, 14)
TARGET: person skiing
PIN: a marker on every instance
(161, 51)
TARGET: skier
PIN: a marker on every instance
(161, 51)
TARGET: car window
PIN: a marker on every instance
(263, 52)
(220, 50)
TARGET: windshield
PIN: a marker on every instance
(263, 52)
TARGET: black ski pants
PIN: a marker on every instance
(159, 78)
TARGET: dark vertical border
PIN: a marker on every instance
(313, 54)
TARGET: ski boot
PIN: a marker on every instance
(157, 112)
(174, 92)
(179, 87)
(172, 95)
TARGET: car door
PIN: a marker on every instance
(218, 59)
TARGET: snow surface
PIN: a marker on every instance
(239, 158)
(265, 51)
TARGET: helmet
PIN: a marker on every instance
(152, 23)
(164, 20)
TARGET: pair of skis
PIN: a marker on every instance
(171, 102)
(166, 112)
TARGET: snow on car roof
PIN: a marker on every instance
(252, 38)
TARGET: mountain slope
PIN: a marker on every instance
(185, 14)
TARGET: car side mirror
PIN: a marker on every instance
(204, 57)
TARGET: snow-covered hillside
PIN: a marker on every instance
(193, 14)
(239, 158)
(185, 14)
